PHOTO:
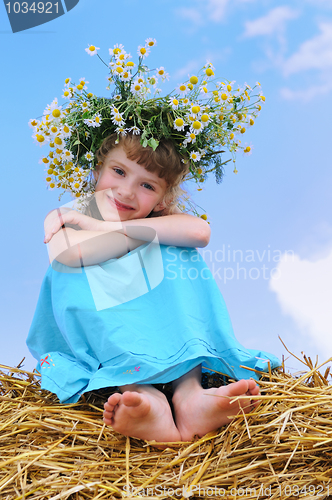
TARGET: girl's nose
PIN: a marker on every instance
(126, 191)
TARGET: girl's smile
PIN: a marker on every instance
(126, 190)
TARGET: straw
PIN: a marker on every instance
(281, 449)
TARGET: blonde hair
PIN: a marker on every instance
(165, 161)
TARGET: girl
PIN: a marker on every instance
(129, 302)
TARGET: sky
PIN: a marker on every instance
(271, 223)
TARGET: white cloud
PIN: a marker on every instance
(273, 22)
(304, 291)
(315, 53)
(306, 94)
(202, 11)
(191, 14)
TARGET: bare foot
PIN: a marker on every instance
(143, 413)
(200, 411)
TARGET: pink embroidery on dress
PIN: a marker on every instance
(44, 360)
(137, 368)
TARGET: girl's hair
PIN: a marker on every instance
(165, 161)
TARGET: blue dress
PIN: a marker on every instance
(148, 317)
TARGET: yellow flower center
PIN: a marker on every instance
(40, 138)
(58, 141)
(56, 113)
(205, 118)
(231, 135)
(76, 185)
(137, 87)
(54, 130)
(79, 87)
(152, 81)
(52, 185)
(199, 171)
(46, 160)
(125, 74)
(119, 69)
(90, 95)
(229, 88)
(121, 57)
(197, 125)
(66, 93)
(251, 121)
(192, 136)
(175, 102)
(151, 44)
(140, 80)
(58, 151)
(92, 48)
(209, 72)
(263, 98)
(116, 51)
(194, 156)
(193, 79)
(67, 80)
(182, 88)
(179, 122)
(224, 97)
(142, 50)
(185, 101)
(247, 149)
(242, 130)
(204, 217)
(97, 119)
(56, 162)
(195, 109)
(130, 63)
(118, 118)
(161, 72)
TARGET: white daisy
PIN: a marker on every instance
(92, 50)
(183, 89)
(89, 156)
(135, 130)
(117, 97)
(67, 155)
(121, 130)
(137, 87)
(143, 51)
(162, 73)
(125, 76)
(97, 120)
(117, 49)
(174, 102)
(33, 123)
(151, 42)
(195, 156)
(89, 122)
(190, 138)
(179, 124)
(118, 120)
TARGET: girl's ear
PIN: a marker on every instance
(161, 206)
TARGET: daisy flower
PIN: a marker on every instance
(66, 131)
(33, 123)
(118, 120)
(39, 138)
(174, 103)
(117, 49)
(179, 124)
(195, 156)
(67, 93)
(135, 130)
(82, 84)
(143, 51)
(89, 156)
(117, 97)
(183, 89)
(162, 73)
(137, 87)
(114, 111)
(205, 119)
(196, 127)
(67, 155)
(67, 82)
(190, 138)
(121, 130)
(89, 122)
(97, 120)
(126, 75)
(247, 150)
(150, 42)
(92, 50)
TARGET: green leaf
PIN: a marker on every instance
(153, 143)
(77, 142)
(144, 143)
(86, 114)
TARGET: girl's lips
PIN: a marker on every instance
(118, 205)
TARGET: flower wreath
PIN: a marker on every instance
(202, 117)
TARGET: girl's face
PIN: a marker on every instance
(125, 190)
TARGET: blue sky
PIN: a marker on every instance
(274, 214)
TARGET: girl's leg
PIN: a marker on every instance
(198, 411)
(143, 412)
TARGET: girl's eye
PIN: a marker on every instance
(118, 171)
(148, 186)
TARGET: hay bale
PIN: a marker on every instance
(53, 451)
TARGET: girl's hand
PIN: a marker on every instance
(55, 219)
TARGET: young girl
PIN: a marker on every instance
(154, 315)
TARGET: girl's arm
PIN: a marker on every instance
(114, 239)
